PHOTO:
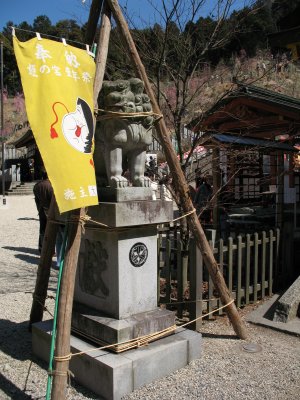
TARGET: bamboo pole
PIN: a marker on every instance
(179, 179)
(62, 344)
(43, 272)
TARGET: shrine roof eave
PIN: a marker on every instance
(254, 97)
(219, 139)
(25, 140)
(284, 37)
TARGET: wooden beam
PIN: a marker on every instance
(216, 186)
(62, 342)
(44, 267)
(259, 123)
(91, 26)
(227, 112)
(224, 113)
(274, 109)
(266, 134)
(102, 50)
(179, 179)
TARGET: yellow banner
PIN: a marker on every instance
(57, 80)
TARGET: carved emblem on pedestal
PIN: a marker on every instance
(91, 268)
(138, 254)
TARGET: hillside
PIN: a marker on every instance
(278, 75)
(15, 117)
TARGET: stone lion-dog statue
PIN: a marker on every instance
(122, 134)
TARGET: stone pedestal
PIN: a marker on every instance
(116, 285)
(112, 376)
(116, 300)
(117, 271)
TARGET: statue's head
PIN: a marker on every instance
(126, 96)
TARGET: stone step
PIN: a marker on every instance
(28, 184)
(22, 189)
(21, 193)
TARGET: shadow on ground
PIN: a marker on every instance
(28, 259)
(28, 219)
(215, 336)
(12, 390)
(15, 341)
(26, 250)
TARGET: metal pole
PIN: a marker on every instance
(2, 134)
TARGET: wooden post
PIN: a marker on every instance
(216, 187)
(92, 23)
(179, 179)
(280, 189)
(43, 272)
(102, 50)
(196, 286)
(62, 344)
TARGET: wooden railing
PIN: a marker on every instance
(248, 263)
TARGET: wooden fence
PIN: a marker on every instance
(248, 263)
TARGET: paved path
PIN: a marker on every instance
(19, 226)
(224, 372)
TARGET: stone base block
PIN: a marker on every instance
(111, 376)
(101, 328)
(131, 193)
(132, 213)
(288, 306)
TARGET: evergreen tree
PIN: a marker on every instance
(42, 24)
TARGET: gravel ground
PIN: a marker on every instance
(225, 370)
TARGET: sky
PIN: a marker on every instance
(27, 10)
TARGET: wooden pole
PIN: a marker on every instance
(43, 273)
(92, 23)
(102, 50)
(62, 344)
(216, 186)
(179, 179)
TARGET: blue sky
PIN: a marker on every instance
(27, 10)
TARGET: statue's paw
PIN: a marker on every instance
(142, 181)
(118, 182)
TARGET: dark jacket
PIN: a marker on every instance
(43, 192)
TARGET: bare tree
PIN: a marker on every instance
(177, 49)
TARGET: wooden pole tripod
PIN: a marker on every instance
(179, 179)
(67, 287)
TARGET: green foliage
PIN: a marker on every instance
(69, 29)
(285, 13)
(118, 62)
(179, 50)
(172, 52)
(251, 27)
(42, 24)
